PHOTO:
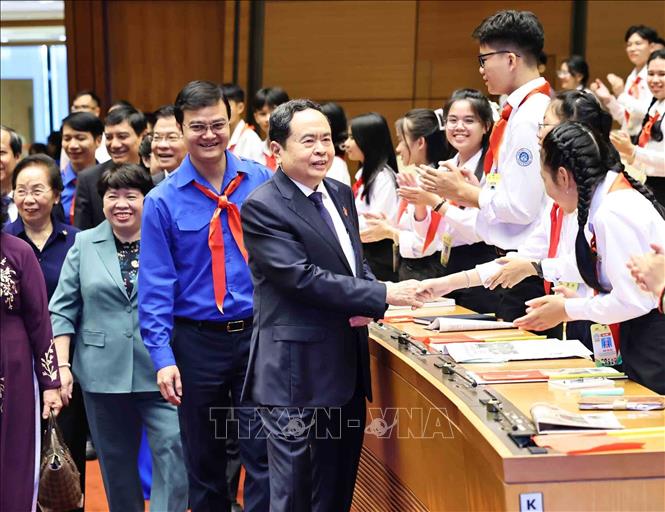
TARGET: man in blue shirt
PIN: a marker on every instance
(81, 136)
(195, 298)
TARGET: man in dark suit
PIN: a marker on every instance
(123, 129)
(314, 296)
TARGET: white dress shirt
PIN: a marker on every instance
(636, 107)
(383, 198)
(624, 223)
(340, 229)
(509, 212)
(245, 143)
(651, 158)
(458, 223)
(339, 171)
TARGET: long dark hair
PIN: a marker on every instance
(657, 127)
(423, 122)
(578, 66)
(575, 147)
(371, 133)
(482, 109)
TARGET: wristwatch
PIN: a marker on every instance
(539, 268)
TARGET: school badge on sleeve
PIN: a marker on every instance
(524, 157)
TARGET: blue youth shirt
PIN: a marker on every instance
(175, 277)
(67, 196)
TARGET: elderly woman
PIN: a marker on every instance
(28, 366)
(38, 186)
(95, 307)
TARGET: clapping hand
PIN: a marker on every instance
(648, 270)
(621, 141)
(377, 228)
(616, 83)
(601, 91)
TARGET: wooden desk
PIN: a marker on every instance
(436, 447)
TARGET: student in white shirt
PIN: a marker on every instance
(546, 250)
(468, 118)
(244, 141)
(618, 217)
(573, 74)
(420, 141)
(512, 198)
(628, 102)
(375, 188)
(648, 155)
(265, 101)
(338, 170)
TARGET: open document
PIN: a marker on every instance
(446, 324)
(502, 351)
(550, 419)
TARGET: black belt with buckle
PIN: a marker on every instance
(230, 326)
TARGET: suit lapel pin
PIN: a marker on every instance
(346, 212)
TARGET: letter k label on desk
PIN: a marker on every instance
(531, 502)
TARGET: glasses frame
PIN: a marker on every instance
(19, 193)
(482, 57)
(176, 137)
(208, 126)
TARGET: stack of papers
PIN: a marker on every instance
(446, 324)
(503, 351)
(552, 419)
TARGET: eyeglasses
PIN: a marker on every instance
(452, 122)
(483, 56)
(36, 193)
(171, 137)
(542, 126)
(201, 128)
(562, 74)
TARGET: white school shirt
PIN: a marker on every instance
(245, 143)
(624, 223)
(509, 213)
(537, 246)
(651, 158)
(339, 171)
(459, 223)
(636, 107)
(340, 229)
(383, 198)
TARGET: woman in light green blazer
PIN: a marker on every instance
(95, 311)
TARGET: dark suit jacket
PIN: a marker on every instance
(88, 211)
(303, 351)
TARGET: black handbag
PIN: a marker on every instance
(59, 479)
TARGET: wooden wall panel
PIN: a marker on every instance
(340, 50)
(447, 53)
(157, 47)
(85, 28)
(606, 27)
